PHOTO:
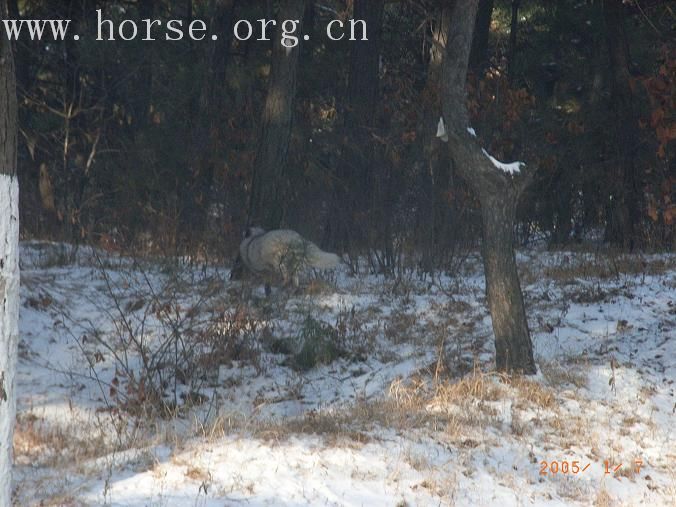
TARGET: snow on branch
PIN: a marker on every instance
(512, 168)
(443, 134)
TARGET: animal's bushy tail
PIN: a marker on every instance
(318, 258)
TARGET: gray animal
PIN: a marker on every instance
(283, 252)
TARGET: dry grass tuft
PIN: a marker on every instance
(603, 499)
(399, 328)
(478, 386)
(409, 394)
(317, 287)
(518, 426)
(628, 469)
(37, 442)
(605, 265)
(218, 427)
(558, 376)
(412, 404)
(533, 392)
(353, 426)
(197, 474)
(457, 409)
(631, 420)
(60, 500)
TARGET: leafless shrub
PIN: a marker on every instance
(318, 342)
(166, 335)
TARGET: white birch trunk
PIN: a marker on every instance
(9, 325)
(9, 261)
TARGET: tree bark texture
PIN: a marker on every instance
(143, 80)
(482, 29)
(206, 123)
(498, 193)
(625, 208)
(434, 177)
(9, 260)
(267, 193)
(354, 187)
(513, 31)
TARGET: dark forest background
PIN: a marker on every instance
(171, 147)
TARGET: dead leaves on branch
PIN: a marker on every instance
(661, 89)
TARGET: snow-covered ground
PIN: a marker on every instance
(397, 405)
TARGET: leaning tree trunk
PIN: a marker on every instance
(9, 261)
(266, 205)
(498, 193)
(513, 348)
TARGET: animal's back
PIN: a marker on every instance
(264, 252)
(285, 252)
(273, 246)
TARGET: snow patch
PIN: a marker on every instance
(512, 168)
(442, 133)
(623, 410)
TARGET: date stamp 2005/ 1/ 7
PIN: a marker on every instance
(566, 467)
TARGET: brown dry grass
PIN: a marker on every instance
(518, 426)
(400, 327)
(457, 408)
(352, 426)
(317, 287)
(603, 499)
(197, 474)
(558, 376)
(38, 442)
(604, 266)
(478, 385)
(59, 500)
(72, 446)
(533, 393)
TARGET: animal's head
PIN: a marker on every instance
(253, 231)
(249, 234)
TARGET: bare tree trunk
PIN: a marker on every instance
(435, 170)
(266, 205)
(362, 89)
(625, 209)
(144, 75)
(354, 182)
(498, 193)
(309, 21)
(482, 29)
(203, 149)
(513, 30)
(20, 63)
(9, 261)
